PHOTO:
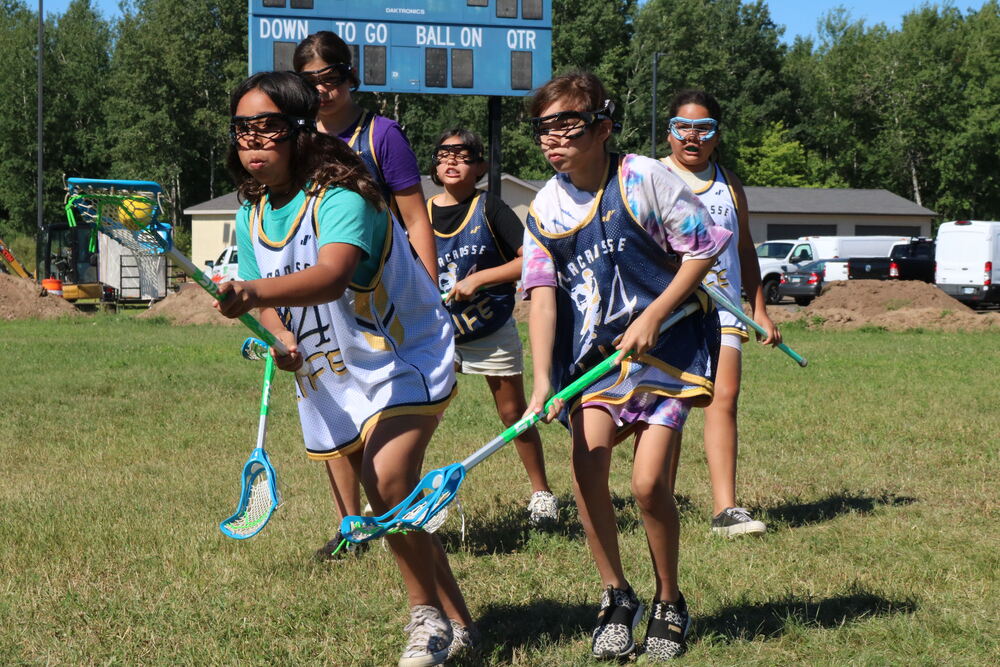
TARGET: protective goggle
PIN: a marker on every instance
(269, 126)
(702, 128)
(330, 76)
(569, 124)
(463, 153)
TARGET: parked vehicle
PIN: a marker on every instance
(967, 261)
(804, 282)
(779, 256)
(913, 260)
(225, 267)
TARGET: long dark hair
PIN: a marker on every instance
(317, 159)
(329, 48)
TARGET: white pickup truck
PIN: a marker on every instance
(780, 255)
(225, 267)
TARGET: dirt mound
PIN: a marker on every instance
(896, 305)
(22, 299)
(189, 305)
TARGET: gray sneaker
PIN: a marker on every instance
(466, 642)
(734, 521)
(620, 612)
(430, 637)
(542, 508)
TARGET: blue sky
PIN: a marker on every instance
(798, 16)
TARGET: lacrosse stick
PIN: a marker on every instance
(259, 493)
(127, 212)
(721, 300)
(439, 487)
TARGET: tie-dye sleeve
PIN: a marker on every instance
(538, 269)
(667, 209)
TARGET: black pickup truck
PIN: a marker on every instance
(906, 261)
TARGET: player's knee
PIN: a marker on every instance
(650, 491)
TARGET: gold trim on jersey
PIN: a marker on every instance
(468, 216)
(375, 308)
(590, 214)
(357, 130)
(410, 409)
(732, 192)
(258, 223)
(667, 161)
(736, 331)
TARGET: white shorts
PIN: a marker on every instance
(499, 353)
(732, 340)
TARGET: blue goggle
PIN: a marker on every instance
(703, 128)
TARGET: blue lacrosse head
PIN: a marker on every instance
(702, 128)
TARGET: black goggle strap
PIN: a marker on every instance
(296, 124)
(315, 76)
(457, 150)
(588, 118)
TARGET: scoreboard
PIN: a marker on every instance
(458, 47)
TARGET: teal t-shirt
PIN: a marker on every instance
(344, 217)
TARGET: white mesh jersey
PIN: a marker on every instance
(718, 197)
(381, 350)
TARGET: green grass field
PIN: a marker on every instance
(122, 442)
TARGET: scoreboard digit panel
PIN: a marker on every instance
(466, 47)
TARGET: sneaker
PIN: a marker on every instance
(430, 637)
(466, 641)
(620, 612)
(542, 508)
(332, 550)
(734, 521)
(667, 630)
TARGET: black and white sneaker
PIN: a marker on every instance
(620, 613)
(734, 521)
(667, 630)
(334, 550)
(466, 642)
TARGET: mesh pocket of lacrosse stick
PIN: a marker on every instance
(417, 511)
(258, 498)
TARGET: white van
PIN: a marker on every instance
(225, 268)
(967, 263)
(778, 256)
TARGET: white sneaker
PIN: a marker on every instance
(542, 508)
(430, 638)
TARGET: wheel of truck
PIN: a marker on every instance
(803, 300)
(770, 288)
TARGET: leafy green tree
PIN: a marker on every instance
(18, 37)
(174, 64)
(76, 85)
(727, 47)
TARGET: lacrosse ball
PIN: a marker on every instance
(140, 210)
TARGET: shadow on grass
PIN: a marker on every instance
(504, 527)
(508, 629)
(773, 619)
(795, 515)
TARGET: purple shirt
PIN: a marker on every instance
(392, 149)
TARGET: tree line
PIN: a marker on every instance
(914, 110)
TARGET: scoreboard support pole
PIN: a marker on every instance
(493, 106)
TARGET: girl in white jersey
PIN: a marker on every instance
(596, 271)
(333, 276)
(695, 120)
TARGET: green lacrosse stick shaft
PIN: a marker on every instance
(721, 299)
(569, 391)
